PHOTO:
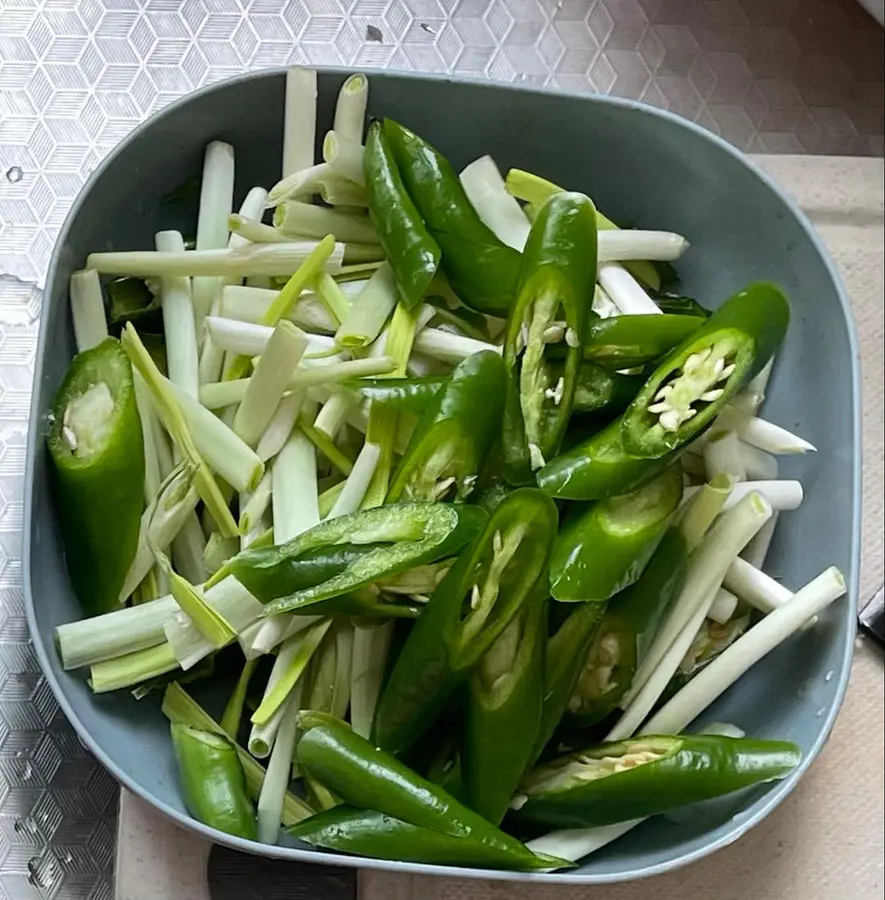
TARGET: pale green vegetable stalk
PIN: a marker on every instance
(344, 156)
(485, 188)
(759, 465)
(723, 606)
(255, 505)
(273, 630)
(294, 498)
(87, 309)
(753, 586)
(299, 219)
(756, 552)
(233, 712)
(354, 490)
(175, 423)
(266, 387)
(179, 706)
(350, 107)
(369, 312)
(256, 231)
(179, 331)
(325, 445)
(333, 414)
(216, 200)
(125, 671)
(772, 438)
(218, 551)
(371, 644)
(634, 245)
(625, 291)
(248, 304)
(298, 184)
(300, 119)
(448, 347)
(332, 296)
(280, 427)
(575, 843)
(722, 456)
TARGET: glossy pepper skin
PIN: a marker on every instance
(604, 547)
(454, 434)
(369, 778)
(481, 269)
(556, 285)
(412, 252)
(625, 342)
(626, 631)
(503, 712)
(396, 537)
(599, 467)
(404, 394)
(648, 775)
(370, 833)
(212, 781)
(478, 598)
(97, 451)
(699, 377)
(601, 393)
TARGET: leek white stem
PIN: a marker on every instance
(448, 347)
(276, 782)
(344, 156)
(151, 429)
(722, 456)
(251, 259)
(371, 644)
(300, 120)
(333, 414)
(256, 231)
(576, 843)
(274, 630)
(294, 217)
(772, 438)
(295, 492)
(782, 494)
(267, 386)
(255, 505)
(280, 427)
(602, 304)
(124, 671)
(499, 210)
(189, 548)
(369, 311)
(625, 291)
(87, 309)
(178, 320)
(745, 652)
(249, 304)
(758, 465)
(753, 586)
(756, 551)
(350, 109)
(723, 606)
(357, 484)
(633, 245)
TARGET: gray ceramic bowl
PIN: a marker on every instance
(638, 164)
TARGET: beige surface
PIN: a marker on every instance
(825, 842)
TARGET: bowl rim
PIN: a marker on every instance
(759, 809)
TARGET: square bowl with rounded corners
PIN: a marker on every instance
(639, 165)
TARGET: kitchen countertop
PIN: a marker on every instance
(769, 75)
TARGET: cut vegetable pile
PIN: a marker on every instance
(473, 503)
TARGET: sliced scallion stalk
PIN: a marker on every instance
(296, 218)
(87, 309)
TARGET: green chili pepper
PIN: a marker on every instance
(603, 548)
(625, 342)
(481, 269)
(679, 305)
(97, 452)
(397, 537)
(600, 392)
(411, 251)
(630, 622)
(369, 778)
(646, 776)
(370, 833)
(452, 439)
(212, 781)
(506, 693)
(563, 660)
(552, 304)
(405, 394)
(599, 467)
(699, 377)
(478, 598)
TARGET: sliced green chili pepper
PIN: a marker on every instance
(552, 305)
(600, 392)
(405, 394)
(679, 305)
(624, 342)
(397, 537)
(97, 451)
(212, 781)
(646, 776)
(453, 436)
(370, 833)
(563, 659)
(699, 377)
(604, 548)
(599, 467)
(481, 269)
(506, 693)
(411, 251)
(367, 777)
(479, 597)
(630, 622)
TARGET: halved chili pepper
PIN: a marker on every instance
(212, 781)
(696, 380)
(552, 305)
(481, 594)
(503, 715)
(564, 657)
(412, 252)
(396, 538)
(451, 440)
(481, 268)
(624, 342)
(374, 834)
(630, 622)
(599, 467)
(369, 778)
(604, 547)
(600, 392)
(404, 394)
(646, 776)
(97, 452)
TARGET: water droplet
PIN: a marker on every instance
(14, 174)
(829, 675)
(820, 712)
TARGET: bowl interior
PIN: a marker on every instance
(639, 165)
